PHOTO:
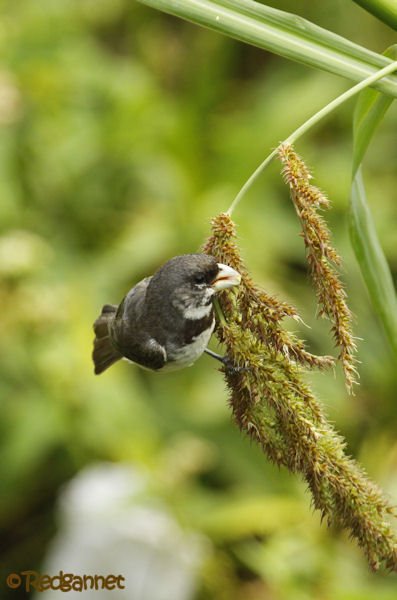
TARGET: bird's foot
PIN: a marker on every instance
(233, 369)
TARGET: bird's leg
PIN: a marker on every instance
(222, 359)
(225, 361)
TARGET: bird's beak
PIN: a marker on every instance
(227, 277)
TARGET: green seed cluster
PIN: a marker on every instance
(272, 403)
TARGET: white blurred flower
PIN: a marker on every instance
(110, 525)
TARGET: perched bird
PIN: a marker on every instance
(166, 320)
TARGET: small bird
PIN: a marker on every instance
(165, 321)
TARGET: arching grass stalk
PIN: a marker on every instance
(316, 118)
(269, 396)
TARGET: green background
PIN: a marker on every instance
(123, 131)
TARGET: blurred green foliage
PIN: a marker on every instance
(122, 132)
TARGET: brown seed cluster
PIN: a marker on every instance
(321, 257)
(272, 403)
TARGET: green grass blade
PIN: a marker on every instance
(385, 10)
(372, 261)
(285, 34)
(370, 110)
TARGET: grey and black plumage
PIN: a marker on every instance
(166, 320)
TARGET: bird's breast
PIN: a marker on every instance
(193, 328)
(197, 334)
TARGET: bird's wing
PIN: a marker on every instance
(147, 352)
(130, 334)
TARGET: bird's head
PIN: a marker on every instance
(191, 280)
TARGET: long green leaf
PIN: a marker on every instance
(282, 33)
(385, 10)
(370, 109)
(372, 261)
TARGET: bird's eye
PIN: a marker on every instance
(199, 278)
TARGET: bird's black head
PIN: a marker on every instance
(194, 269)
(190, 281)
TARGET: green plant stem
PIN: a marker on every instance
(316, 118)
(219, 312)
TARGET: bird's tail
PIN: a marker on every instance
(104, 353)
